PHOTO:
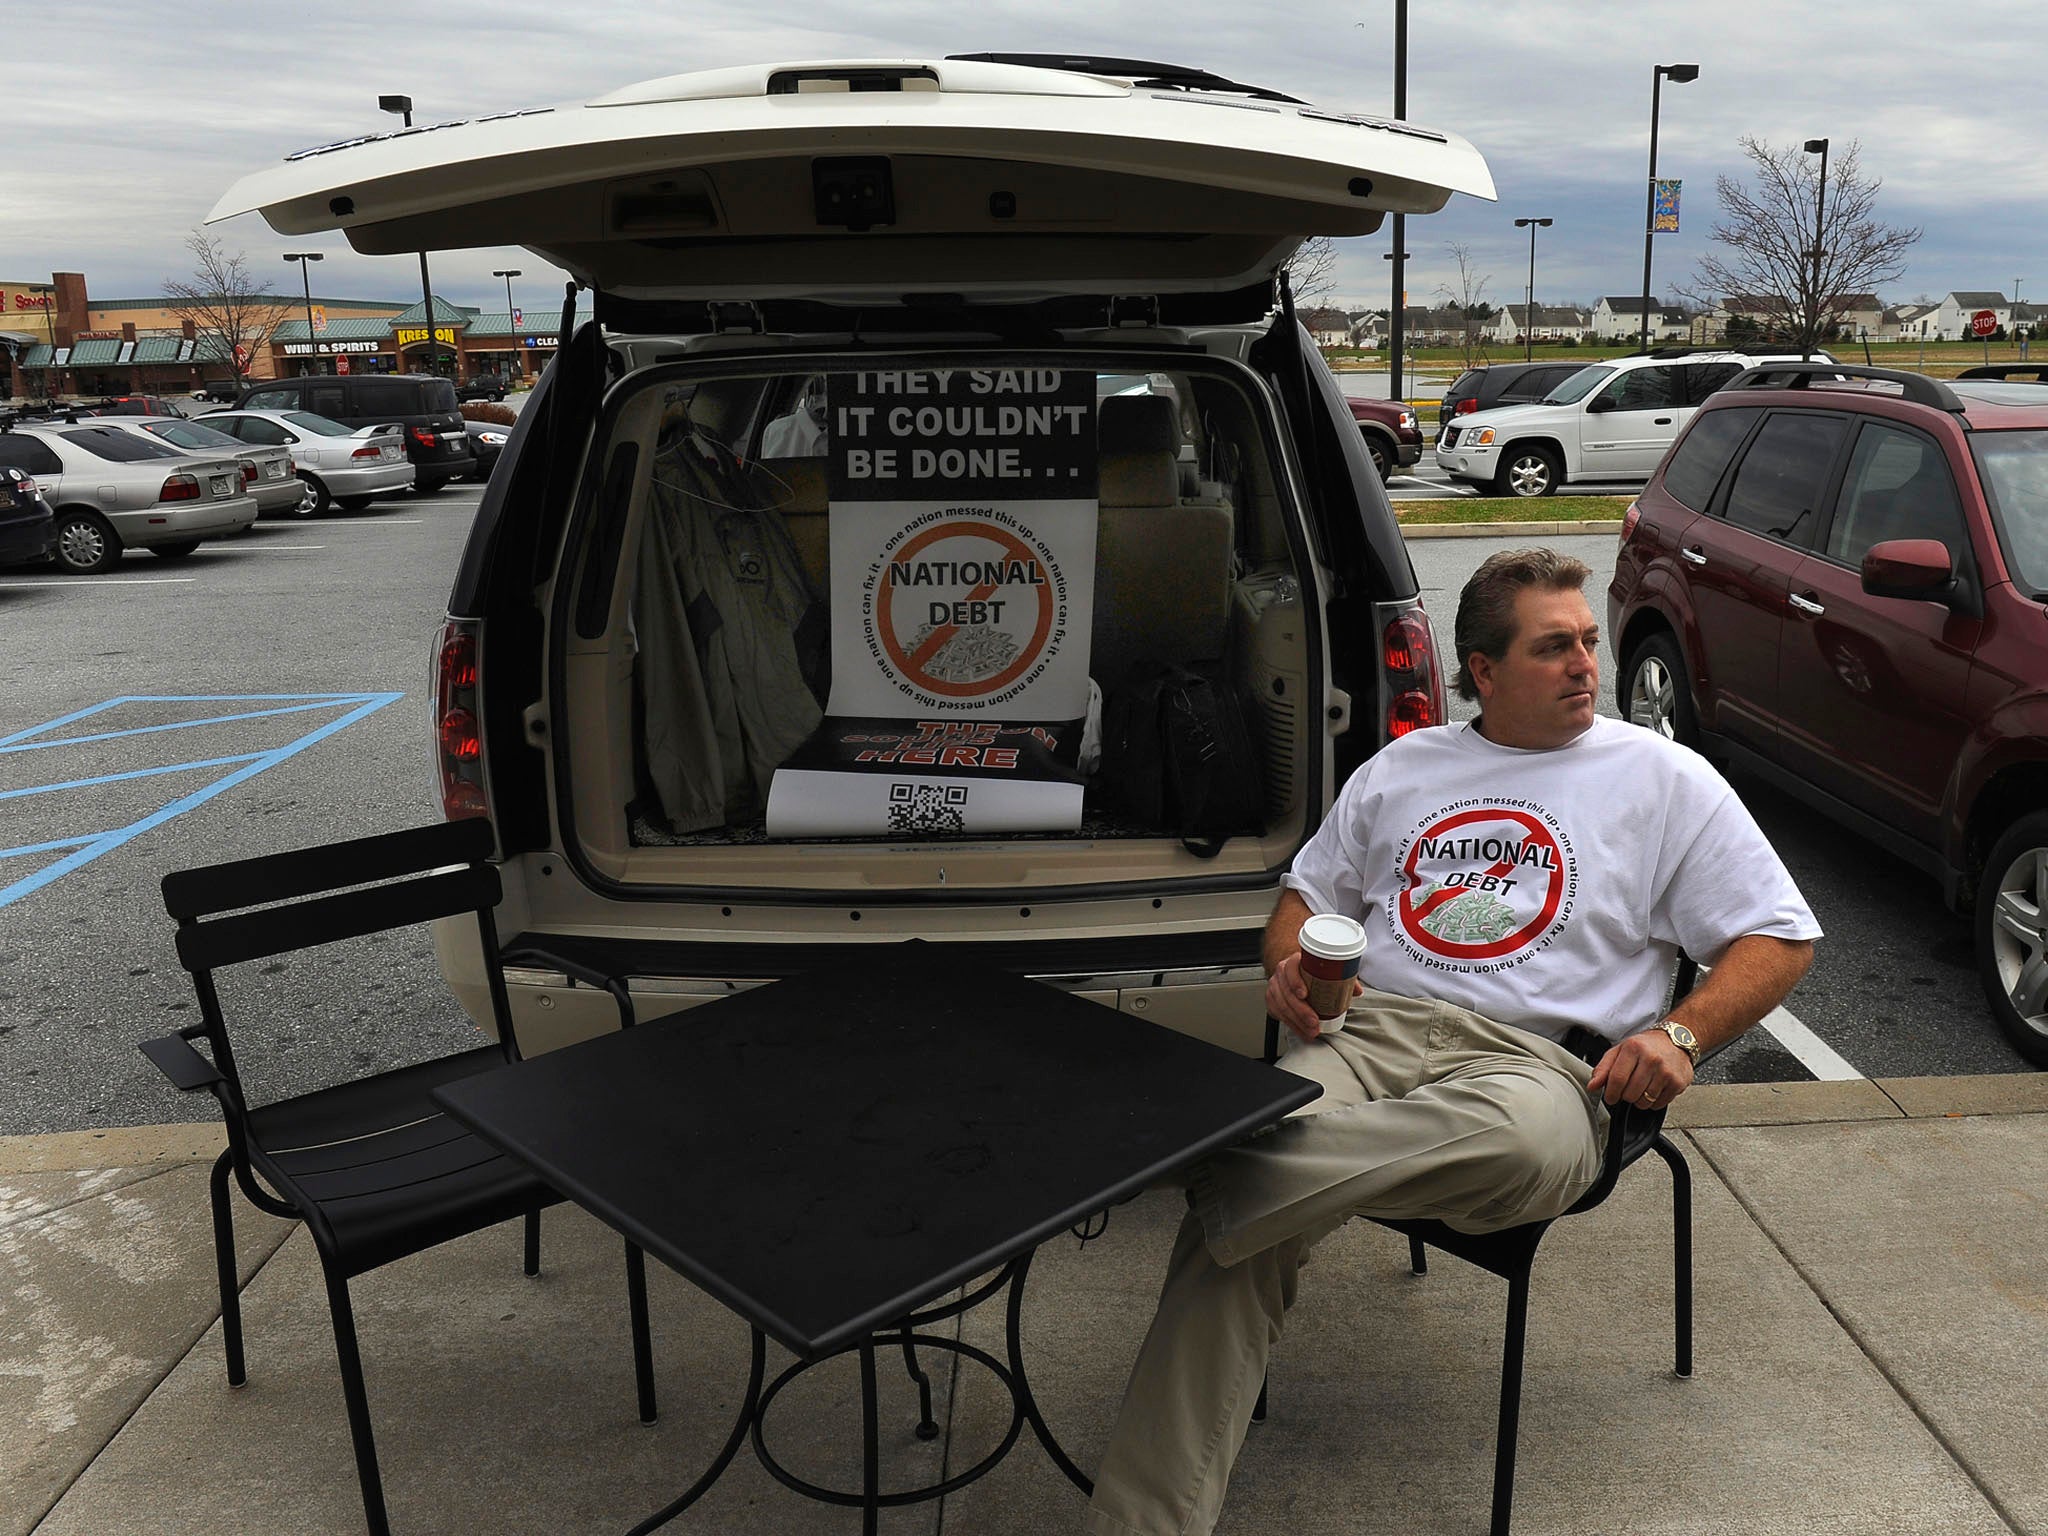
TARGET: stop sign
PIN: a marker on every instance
(341, 366)
(1983, 323)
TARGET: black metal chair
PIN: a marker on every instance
(372, 1166)
(1511, 1253)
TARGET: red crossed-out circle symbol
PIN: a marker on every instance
(913, 664)
(1413, 912)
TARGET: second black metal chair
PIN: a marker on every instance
(372, 1166)
(1511, 1254)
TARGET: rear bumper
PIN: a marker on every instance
(370, 480)
(26, 539)
(170, 522)
(278, 495)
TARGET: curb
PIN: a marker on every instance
(1501, 530)
(1709, 1106)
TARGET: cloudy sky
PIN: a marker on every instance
(126, 121)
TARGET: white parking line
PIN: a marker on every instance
(1808, 1049)
(1804, 1046)
(103, 581)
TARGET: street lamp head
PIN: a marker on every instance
(303, 256)
(512, 272)
(1816, 146)
(1525, 223)
(397, 104)
(1679, 74)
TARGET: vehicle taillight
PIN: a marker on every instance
(458, 733)
(1464, 406)
(26, 487)
(1415, 685)
(1629, 519)
(179, 488)
(371, 452)
(248, 474)
(423, 437)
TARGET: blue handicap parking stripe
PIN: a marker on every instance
(90, 846)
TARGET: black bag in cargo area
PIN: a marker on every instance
(1177, 754)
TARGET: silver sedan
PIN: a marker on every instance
(344, 465)
(268, 472)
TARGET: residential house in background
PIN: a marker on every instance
(1952, 322)
(1329, 327)
(1908, 322)
(1553, 324)
(1620, 319)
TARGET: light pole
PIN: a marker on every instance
(511, 329)
(1399, 255)
(49, 293)
(2018, 335)
(1820, 204)
(306, 282)
(1529, 306)
(1678, 74)
(402, 105)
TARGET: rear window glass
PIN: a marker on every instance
(189, 434)
(1778, 485)
(271, 400)
(1698, 461)
(319, 426)
(1467, 383)
(914, 613)
(118, 446)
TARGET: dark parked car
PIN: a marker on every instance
(485, 386)
(436, 436)
(28, 529)
(1392, 435)
(1481, 389)
(1838, 583)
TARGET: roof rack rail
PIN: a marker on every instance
(2036, 373)
(1177, 77)
(1917, 387)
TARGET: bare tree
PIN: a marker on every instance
(1468, 299)
(224, 302)
(1767, 239)
(1312, 271)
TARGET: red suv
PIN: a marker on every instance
(1392, 435)
(1838, 578)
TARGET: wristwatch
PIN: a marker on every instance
(1683, 1038)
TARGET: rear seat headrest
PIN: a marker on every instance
(1139, 424)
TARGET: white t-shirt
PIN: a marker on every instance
(1545, 888)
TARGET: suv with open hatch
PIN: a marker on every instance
(1839, 580)
(942, 527)
(1610, 420)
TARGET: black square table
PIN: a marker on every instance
(827, 1153)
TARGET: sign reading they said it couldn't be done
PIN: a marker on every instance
(962, 558)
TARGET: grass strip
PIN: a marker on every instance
(1511, 509)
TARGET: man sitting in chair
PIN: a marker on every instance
(1526, 881)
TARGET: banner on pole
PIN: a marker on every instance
(1664, 200)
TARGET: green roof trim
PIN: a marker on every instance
(87, 354)
(445, 313)
(530, 324)
(355, 329)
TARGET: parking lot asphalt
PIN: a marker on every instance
(291, 666)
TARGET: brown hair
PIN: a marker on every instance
(1486, 608)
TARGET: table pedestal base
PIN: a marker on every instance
(872, 1498)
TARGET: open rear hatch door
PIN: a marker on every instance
(863, 181)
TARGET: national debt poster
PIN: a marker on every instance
(963, 512)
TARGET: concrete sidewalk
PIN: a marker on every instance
(1872, 1282)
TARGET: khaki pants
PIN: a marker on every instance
(1427, 1110)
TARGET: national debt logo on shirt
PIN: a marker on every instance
(1485, 884)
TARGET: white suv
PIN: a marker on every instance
(943, 509)
(1609, 421)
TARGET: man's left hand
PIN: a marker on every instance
(1645, 1069)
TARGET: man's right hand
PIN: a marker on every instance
(1287, 999)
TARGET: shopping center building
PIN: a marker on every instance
(56, 341)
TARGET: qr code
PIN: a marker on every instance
(927, 807)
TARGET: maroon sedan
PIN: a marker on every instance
(1838, 579)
